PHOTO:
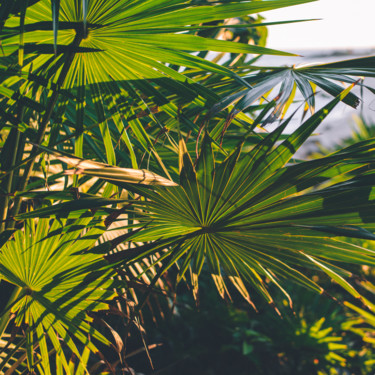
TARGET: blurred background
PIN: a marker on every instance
(341, 30)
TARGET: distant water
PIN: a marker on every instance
(339, 123)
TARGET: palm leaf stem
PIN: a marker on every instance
(4, 201)
(11, 353)
(6, 316)
(43, 126)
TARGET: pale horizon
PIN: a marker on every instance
(344, 24)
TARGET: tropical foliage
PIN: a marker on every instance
(318, 337)
(134, 156)
(57, 282)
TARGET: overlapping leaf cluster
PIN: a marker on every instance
(254, 217)
(108, 86)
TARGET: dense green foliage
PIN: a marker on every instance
(135, 157)
(218, 338)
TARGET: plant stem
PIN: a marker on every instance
(5, 200)
(45, 122)
(14, 138)
(5, 318)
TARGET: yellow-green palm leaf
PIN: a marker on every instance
(57, 281)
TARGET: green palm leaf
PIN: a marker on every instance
(134, 38)
(305, 79)
(124, 42)
(254, 218)
(57, 282)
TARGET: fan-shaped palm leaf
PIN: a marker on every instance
(254, 218)
(305, 79)
(57, 281)
(132, 38)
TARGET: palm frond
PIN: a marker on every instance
(305, 79)
(57, 282)
(257, 219)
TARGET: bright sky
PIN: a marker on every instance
(344, 24)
